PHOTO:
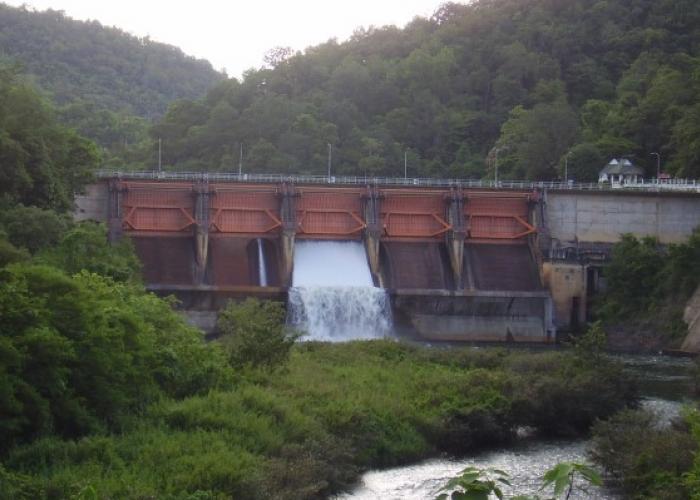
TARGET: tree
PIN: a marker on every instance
(41, 162)
(78, 353)
(584, 163)
(633, 276)
(253, 334)
(33, 228)
(85, 247)
(536, 139)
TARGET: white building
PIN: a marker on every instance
(621, 172)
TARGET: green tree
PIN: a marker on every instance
(535, 140)
(85, 247)
(633, 276)
(79, 354)
(33, 228)
(41, 162)
(584, 163)
(253, 334)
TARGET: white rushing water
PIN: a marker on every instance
(332, 296)
(527, 460)
(262, 267)
(525, 464)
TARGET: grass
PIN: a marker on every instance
(310, 429)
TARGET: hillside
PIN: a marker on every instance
(531, 79)
(100, 66)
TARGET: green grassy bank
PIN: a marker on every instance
(309, 429)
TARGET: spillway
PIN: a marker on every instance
(332, 296)
(262, 265)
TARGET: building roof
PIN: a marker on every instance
(621, 167)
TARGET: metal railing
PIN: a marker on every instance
(678, 185)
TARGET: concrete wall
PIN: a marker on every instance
(566, 282)
(473, 316)
(93, 204)
(601, 217)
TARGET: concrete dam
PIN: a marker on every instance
(455, 262)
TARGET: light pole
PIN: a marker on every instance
(495, 163)
(330, 157)
(566, 167)
(240, 161)
(495, 169)
(160, 153)
(405, 164)
(658, 165)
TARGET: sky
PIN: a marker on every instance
(234, 35)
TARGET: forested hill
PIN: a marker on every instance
(103, 67)
(531, 79)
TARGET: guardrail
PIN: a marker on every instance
(683, 185)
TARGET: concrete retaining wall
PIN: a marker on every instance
(93, 204)
(566, 282)
(601, 217)
(475, 316)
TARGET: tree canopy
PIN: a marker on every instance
(76, 60)
(42, 162)
(539, 78)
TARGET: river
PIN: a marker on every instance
(664, 383)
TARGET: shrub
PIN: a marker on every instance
(33, 228)
(80, 353)
(647, 460)
(85, 248)
(253, 334)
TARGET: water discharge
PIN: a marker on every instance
(262, 268)
(663, 381)
(332, 296)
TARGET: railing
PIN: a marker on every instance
(652, 186)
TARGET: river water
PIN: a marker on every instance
(664, 383)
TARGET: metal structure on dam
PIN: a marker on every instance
(460, 261)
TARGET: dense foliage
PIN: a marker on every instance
(648, 458)
(91, 64)
(649, 282)
(42, 162)
(81, 353)
(253, 334)
(308, 430)
(521, 83)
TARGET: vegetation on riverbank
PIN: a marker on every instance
(647, 458)
(648, 286)
(194, 427)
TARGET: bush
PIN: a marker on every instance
(81, 353)
(646, 459)
(33, 228)
(307, 431)
(254, 334)
(85, 248)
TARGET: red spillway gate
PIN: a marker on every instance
(413, 214)
(157, 207)
(324, 213)
(244, 209)
(498, 217)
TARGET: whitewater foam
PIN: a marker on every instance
(332, 296)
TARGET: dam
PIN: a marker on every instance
(455, 261)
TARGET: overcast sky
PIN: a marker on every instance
(235, 35)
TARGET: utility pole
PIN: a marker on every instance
(405, 164)
(240, 161)
(160, 153)
(566, 167)
(330, 158)
(495, 164)
(658, 165)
